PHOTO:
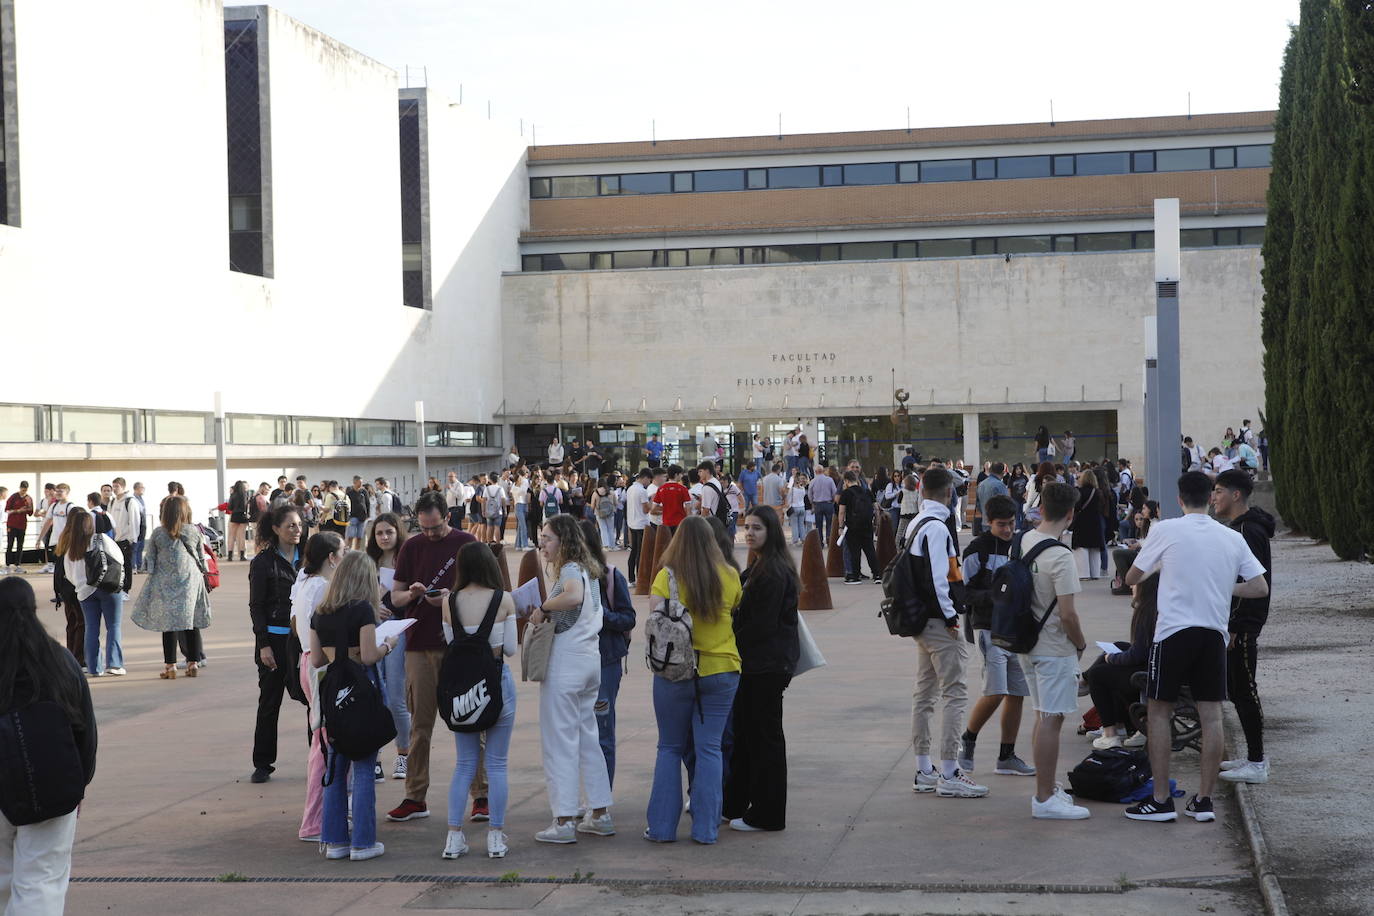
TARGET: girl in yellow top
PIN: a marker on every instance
(689, 711)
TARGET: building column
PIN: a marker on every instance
(972, 459)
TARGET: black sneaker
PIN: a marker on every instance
(852, 580)
(1200, 810)
(1151, 810)
(262, 774)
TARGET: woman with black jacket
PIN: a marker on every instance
(1109, 678)
(766, 633)
(39, 791)
(271, 574)
(617, 620)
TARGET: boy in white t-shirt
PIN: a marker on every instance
(1202, 564)
(1051, 666)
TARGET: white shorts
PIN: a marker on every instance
(1053, 682)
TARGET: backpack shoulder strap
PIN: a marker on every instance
(489, 619)
(1041, 548)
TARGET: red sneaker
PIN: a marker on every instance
(480, 811)
(408, 811)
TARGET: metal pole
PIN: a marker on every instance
(1167, 394)
(221, 463)
(420, 440)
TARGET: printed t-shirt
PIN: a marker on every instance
(671, 496)
(714, 640)
(434, 564)
(1199, 560)
(1055, 574)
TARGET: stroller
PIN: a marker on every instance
(211, 537)
(1184, 724)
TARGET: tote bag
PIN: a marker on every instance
(809, 656)
(535, 651)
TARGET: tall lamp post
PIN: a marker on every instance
(1163, 399)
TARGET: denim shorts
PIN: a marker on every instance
(1053, 683)
(1002, 674)
(356, 528)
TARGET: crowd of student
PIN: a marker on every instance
(329, 569)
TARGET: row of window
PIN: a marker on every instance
(881, 251)
(932, 170)
(55, 423)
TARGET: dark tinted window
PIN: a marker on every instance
(757, 178)
(784, 254)
(1183, 160)
(906, 249)
(532, 262)
(636, 258)
(1144, 240)
(1063, 165)
(1104, 241)
(947, 170)
(751, 256)
(1252, 235)
(867, 251)
(1141, 162)
(573, 261)
(1024, 244)
(539, 187)
(871, 173)
(1228, 236)
(985, 246)
(1195, 238)
(799, 176)
(985, 168)
(1224, 157)
(1103, 163)
(721, 180)
(832, 175)
(1063, 243)
(682, 181)
(946, 248)
(909, 171)
(1023, 167)
(651, 183)
(1250, 157)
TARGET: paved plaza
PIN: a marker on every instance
(172, 800)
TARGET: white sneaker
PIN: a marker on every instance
(1058, 807)
(116, 672)
(496, 844)
(739, 824)
(371, 852)
(399, 771)
(456, 845)
(1248, 772)
(1234, 764)
(558, 833)
(1139, 739)
(597, 826)
(925, 781)
(959, 786)
(332, 851)
(1106, 742)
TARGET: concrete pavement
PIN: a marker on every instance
(172, 800)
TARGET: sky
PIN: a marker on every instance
(611, 70)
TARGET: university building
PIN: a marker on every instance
(275, 217)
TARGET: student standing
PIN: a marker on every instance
(78, 538)
(765, 627)
(795, 497)
(348, 616)
(271, 574)
(637, 517)
(520, 495)
(36, 859)
(1202, 565)
(1087, 531)
(323, 554)
(1004, 683)
(18, 508)
(695, 711)
(425, 572)
(856, 527)
(617, 620)
(567, 696)
(174, 600)
(383, 544)
(1231, 500)
(673, 498)
(478, 594)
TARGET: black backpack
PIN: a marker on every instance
(1015, 627)
(103, 571)
(41, 773)
(469, 687)
(1110, 775)
(722, 504)
(355, 716)
(908, 598)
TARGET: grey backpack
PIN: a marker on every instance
(668, 638)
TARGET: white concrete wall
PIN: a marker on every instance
(1050, 329)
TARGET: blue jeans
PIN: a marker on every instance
(605, 714)
(522, 528)
(469, 745)
(108, 607)
(798, 520)
(620, 526)
(675, 708)
(607, 525)
(138, 553)
(1042, 455)
(825, 520)
(749, 494)
(359, 773)
(392, 671)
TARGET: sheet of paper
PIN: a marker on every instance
(526, 598)
(393, 628)
(1109, 648)
(839, 541)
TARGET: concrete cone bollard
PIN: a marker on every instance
(529, 569)
(644, 571)
(815, 587)
(834, 560)
(499, 551)
(665, 535)
(887, 541)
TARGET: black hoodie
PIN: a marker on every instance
(1257, 527)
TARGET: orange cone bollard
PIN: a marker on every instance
(815, 587)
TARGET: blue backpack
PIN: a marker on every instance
(1015, 627)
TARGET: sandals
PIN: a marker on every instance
(192, 669)
(169, 673)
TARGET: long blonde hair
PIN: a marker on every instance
(354, 580)
(572, 546)
(695, 558)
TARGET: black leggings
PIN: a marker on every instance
(858, 542)
(14, 546)
(1112, 692)
(1240, 685)
(190, 646)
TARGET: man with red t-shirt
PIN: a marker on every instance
(425, 564)
(674, 498)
